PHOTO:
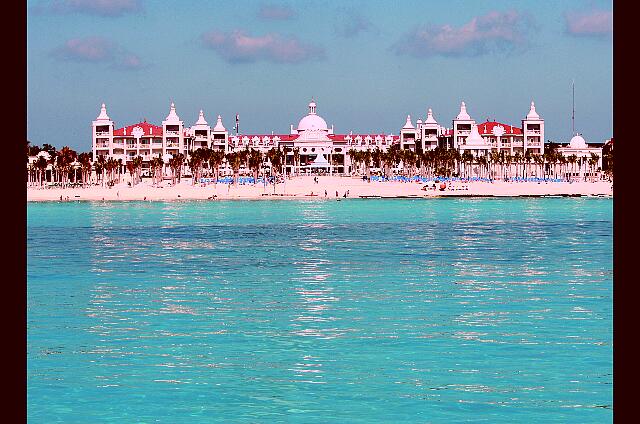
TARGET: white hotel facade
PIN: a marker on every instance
(317, 143)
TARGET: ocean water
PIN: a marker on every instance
(430, 311)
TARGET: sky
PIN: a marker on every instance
(367, 64)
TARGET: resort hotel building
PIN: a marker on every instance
(317, 144)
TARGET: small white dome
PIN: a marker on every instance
(577, 142)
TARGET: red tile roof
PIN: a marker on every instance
(486, 128)
(149, 130)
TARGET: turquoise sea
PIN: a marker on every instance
(358, 311)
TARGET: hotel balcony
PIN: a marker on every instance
(464, 132)
(102, 133)
(533, 131)
(174, 145)
(102, 145)
(517, 143)
(173, 133)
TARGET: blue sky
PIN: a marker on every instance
(368, 64)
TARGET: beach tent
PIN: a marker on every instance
(319, 162)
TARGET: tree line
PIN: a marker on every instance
(68, 166)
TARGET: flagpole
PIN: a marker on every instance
(573, 107)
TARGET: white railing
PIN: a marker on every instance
(102, 145)
(533, 131)
(101, 133)
(172, 132)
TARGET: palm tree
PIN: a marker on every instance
(120, 166)
(41, 165)
(527, 158)
(175, 163)
(66, 157)
(100, 168)
(352, 153)
(572, 160)
(296, 159)
(195, 162)
(85, 164)
(366, 158)
(155, 165)
(482, 162)
(254, 161)
(216, 158)
(517, 158)
(466, 158)
(132, 169)
(594, 159)
(137, 162)
(376, 156)
(285, 151)
(235, 161)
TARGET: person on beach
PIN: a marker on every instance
(337, 193)
(325, 193)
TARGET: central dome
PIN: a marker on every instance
(577, 142)
(312, 121)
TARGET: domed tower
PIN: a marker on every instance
(220, 136)
(429, 134)
(172, 133)
(201, 132)
(102, 134)
(533, 131)
(408, 135)
(462, 126)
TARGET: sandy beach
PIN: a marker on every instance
(304, 187)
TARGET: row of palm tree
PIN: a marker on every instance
(430, 163)
(447, 162)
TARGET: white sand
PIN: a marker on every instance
(302, 187)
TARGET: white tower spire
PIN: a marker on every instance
(103, 114)
(463, 115)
